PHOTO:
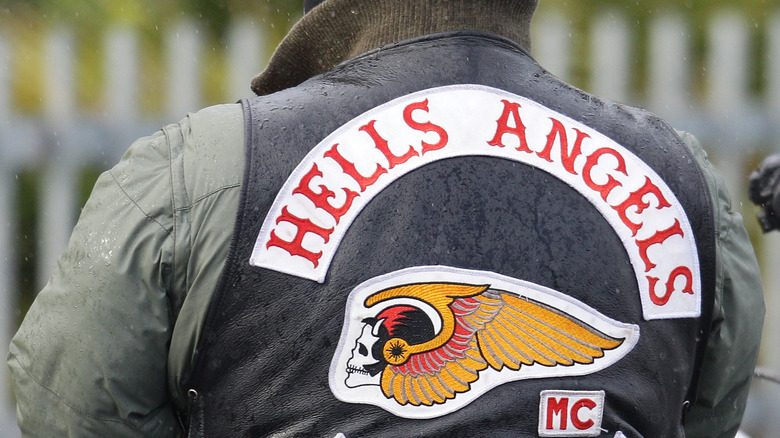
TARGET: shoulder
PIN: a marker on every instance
(721, 200)
(212, 150)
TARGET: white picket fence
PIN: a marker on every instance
(734, 123)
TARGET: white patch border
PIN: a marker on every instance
(489, 378)
(679, 306)
(593, 431)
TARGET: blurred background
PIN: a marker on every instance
(81, 79)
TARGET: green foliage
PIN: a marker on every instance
(28, 22)
(698, 14)
(91, 16)
(699, 9)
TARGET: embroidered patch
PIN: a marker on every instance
(426, 341)
(570, 413)
(339, 177)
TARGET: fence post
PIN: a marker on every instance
(668, 83)
(727, 64)
(8, 295)
(552, 44)
(60, 77)
(246, 56)
(183, 56)
(727, 96)
(5, 81)
(121, 87)
(610, 66)
(772, 57)
(57, 201)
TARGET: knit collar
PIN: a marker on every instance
(339, 30)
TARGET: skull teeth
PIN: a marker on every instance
(351, 369)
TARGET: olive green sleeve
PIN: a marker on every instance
(732, 348)
(89, 358)
(92, 354)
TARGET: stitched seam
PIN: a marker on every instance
(169, 132)
(172, 280)
(212, 193)
(153, 414)
(136, 204)
(65, 402)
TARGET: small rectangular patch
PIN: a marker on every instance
(570, 413)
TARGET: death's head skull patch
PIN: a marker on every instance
(424, 342)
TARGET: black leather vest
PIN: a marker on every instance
(265, 362)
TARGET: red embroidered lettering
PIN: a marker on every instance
(561, 413)
(680, 271)
(295, 247)
(510, 109)
(575, 411)
(560, 408)
(659, 237)
(383, 147)
(611, 183)
(349, 169)
(425, 126)
(320, 200)
(567, 159)
(635, 200)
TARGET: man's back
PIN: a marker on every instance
(517, 248)
(170, 204)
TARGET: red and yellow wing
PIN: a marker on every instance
(434, 376)
(494, 329)
(526, 332)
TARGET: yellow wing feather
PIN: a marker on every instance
(527, 329)
(495, 329)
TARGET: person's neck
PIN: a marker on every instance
(339, 30)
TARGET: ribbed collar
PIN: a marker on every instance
(339, 30)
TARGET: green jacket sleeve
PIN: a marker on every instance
(732, 349)
(91, 357)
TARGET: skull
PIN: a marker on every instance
(362, 358)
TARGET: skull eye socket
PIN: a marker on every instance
(362, 350)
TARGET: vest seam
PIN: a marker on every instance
(196, 364)
(208, 195)
(147, 215)
(177, 181)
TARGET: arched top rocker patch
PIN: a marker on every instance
(340, 176)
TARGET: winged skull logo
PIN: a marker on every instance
(427, 343)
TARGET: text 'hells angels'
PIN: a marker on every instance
(327, 190)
